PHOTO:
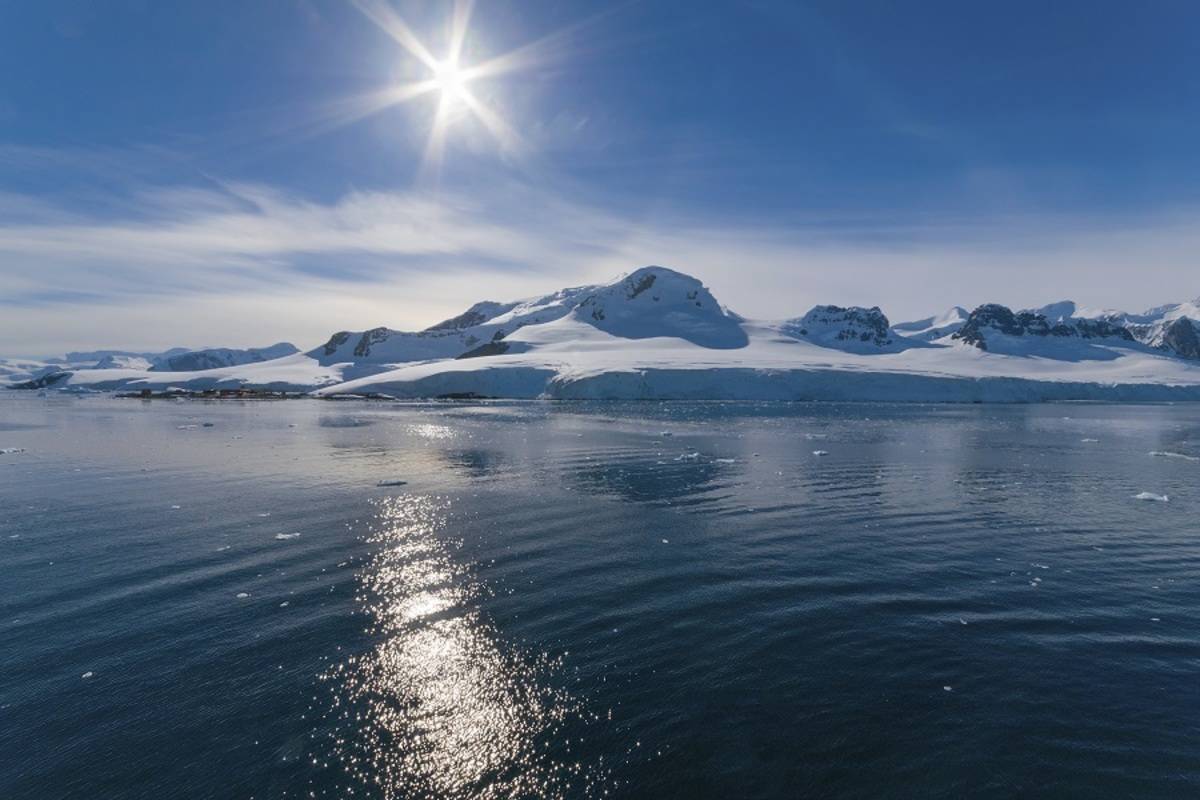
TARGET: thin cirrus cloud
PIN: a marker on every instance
(246, 264)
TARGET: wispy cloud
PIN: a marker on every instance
(243, 264)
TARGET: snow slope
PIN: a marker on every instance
(931, 328)
(216, 357)
(657, 333)
(481, 323)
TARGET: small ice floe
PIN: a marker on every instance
(222, 548)
(1157, 498)
(666, 541)
(1089, 441)
(186, 427)
(947, 688)
(392, 483)
(1169, 454)
(283, 537)
(176, 508)
(87, 675)
(265, 514)
(725, 460)
(1155, 619)
(688, 457)
(962, 621)
(242, 595)
(284, 604)
(11, 451)
(820, 452)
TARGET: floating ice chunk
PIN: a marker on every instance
(265, 514)
(1089, 440)
(87, 675)
(1169, 454)
(284, 604)
(687, 457)
(392, 483)
(222, 548)
(186, 427)
(283, 537)
(1155, 619)
(1158, 498)
(666, 541)
(725, 460)
(947, 688)
(242, 595)
(9, 451)
(820, 452)
(176, 508)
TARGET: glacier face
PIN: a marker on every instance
(659, 333)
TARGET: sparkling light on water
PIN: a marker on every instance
(441, 706)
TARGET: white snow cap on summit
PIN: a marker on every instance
(1056, 312)
(656, 301)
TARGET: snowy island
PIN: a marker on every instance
(660, 334)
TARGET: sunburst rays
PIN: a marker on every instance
(448, 77)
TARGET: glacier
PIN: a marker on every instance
(661, 334)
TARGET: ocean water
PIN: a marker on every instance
(217, 599)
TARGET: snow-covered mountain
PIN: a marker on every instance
(94, 358)
(113, 361)
(656, 302)
(658, 333)
(216, 357)
(481, 323)
(996, 328)
(19, 370)
(1173, 327)
(931, 328)
(177, 359)
(853, 329)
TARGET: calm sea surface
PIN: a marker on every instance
(217, 599)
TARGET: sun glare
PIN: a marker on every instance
(451, 81)
(447, 78)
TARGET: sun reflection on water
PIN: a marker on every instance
(440, 706)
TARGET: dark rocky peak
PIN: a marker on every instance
(1181, 336)
(995, 318)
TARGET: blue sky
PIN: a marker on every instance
(228, 173)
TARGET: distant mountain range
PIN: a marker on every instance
(658, 333)
(176, 359)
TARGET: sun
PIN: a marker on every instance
(456, 85)
(451, 80)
